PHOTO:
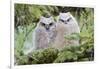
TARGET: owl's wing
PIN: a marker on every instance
(75, 25)
(41, 39)
(38, 38)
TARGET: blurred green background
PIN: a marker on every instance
(26, 19)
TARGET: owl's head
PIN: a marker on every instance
(47, 23)
(66, 18)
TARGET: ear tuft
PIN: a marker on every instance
(64, 10)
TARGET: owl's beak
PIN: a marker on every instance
(47, 27)
(65, 22)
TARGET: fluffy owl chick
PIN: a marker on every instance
(66, 26)
(45, 32)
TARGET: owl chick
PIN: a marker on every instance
(66, 26)
(45, 32)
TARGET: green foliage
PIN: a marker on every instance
(26, 19)
(66, 56)
(39, 57)
(51, 55)
(27, 14)
(45, 56)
